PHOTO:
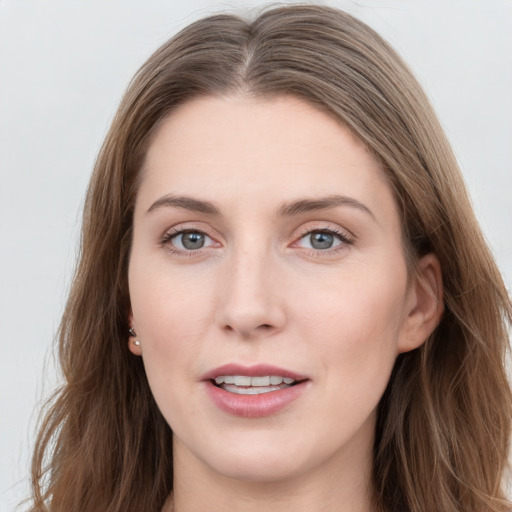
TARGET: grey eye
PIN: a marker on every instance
(321, 240)
(190, 241)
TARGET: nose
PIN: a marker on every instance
(250, 302)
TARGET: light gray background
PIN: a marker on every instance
(63, 67)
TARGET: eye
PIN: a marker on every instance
(188, 240)
(323, 240)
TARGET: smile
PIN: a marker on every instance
(246, 385)
(253, 391)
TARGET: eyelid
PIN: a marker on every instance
(185, 227)
(176, 236)
(181, 229)
(345, 237)
(345, 234)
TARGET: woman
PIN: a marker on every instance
(283, 296)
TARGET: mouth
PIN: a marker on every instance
(254, 391)
(253, 385)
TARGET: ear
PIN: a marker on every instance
(424, 304)
(134, 345)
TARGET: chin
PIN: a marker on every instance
(254, 460)
(260, 469)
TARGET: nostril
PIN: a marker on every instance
(247, 332)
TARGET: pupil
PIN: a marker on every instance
(192, 240)
(321, 240)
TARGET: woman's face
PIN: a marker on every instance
(269, 287)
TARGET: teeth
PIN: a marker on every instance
(257, 390)
(259, 381)
(244, 380)
(275, 381)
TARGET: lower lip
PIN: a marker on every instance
(254, 406)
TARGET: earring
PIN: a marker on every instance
(133, 337)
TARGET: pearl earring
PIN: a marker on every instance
(133, 337)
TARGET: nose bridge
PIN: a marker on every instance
(250, 301)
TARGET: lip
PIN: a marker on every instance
(253, 406)
(257, 370)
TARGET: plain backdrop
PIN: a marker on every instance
(63, 68)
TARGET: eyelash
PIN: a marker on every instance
(175, 232)
(344, 238)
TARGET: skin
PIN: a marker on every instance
(259, 292)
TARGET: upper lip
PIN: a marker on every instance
(258, 370)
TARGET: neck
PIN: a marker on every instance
(341, 484)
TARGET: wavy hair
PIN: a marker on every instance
(444, 421)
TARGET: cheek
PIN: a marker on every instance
(164, 300)
(170, 315)
(170, 318)
(355, 324)
(355, 303)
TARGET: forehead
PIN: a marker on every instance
(258, 150)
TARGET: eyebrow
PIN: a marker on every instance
(322, 203)
(287, 210)
(187, 203)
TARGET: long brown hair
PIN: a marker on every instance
(444, 421)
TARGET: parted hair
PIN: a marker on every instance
(443, 423)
